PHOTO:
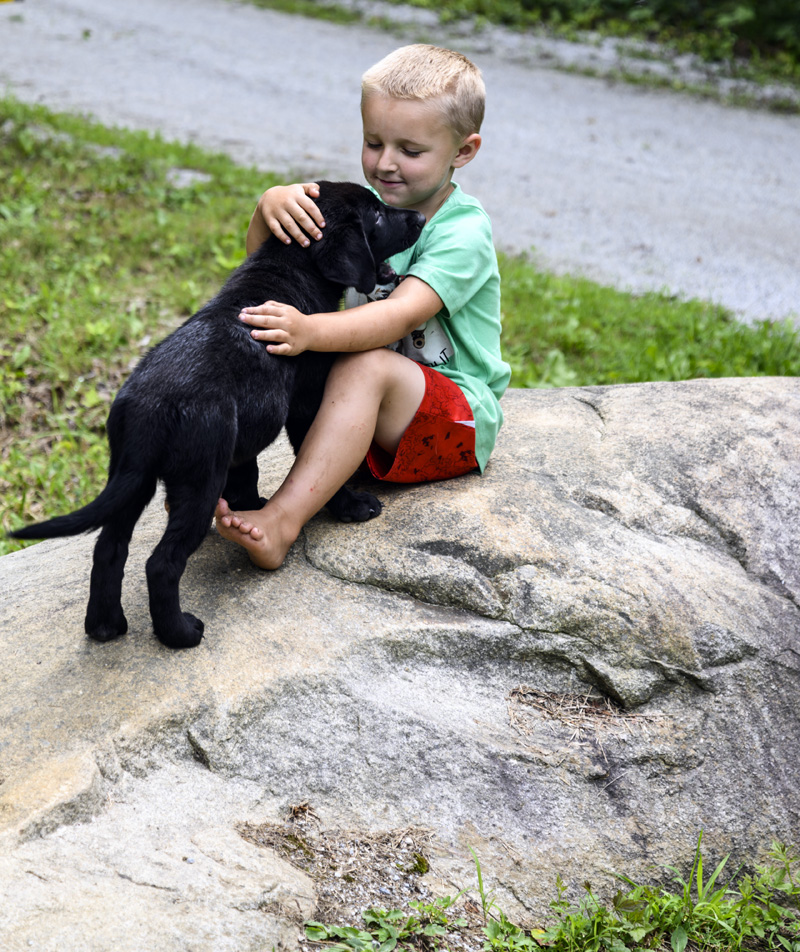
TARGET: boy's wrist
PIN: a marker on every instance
(257, 231)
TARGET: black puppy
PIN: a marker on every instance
(204, 402)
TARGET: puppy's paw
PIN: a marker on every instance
(246, 502)
(350, 506)
(106, 629)
(187, 632)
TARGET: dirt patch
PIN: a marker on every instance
(354, 871)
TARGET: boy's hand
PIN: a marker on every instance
(286, 331)
(290, 212)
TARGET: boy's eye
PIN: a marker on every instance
(412, 153)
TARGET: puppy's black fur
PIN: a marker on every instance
(204, 402)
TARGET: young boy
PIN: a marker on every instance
(416, 389)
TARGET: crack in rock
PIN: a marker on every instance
(586, 402)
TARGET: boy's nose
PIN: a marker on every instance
(387, 161)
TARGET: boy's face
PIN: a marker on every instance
(409, 153)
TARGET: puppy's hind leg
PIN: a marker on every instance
(105, 619)
(191, 511)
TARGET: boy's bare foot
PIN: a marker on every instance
(259, 532)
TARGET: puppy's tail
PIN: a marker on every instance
(121, 490)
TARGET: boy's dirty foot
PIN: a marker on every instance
(259, 532)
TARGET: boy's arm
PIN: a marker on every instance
(284, 211)
(289, 332)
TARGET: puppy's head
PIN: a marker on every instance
(360, 233)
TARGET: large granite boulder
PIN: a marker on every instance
(572, 664)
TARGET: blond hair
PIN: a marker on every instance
(422, 72)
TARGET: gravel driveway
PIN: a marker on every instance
(634, 187)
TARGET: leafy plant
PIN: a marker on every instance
(384, 931)
(759, 913)
(757, 40)
(718, 29)
(696, 912)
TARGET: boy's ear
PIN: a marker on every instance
(467, 150)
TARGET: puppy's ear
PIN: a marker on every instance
(343, 255)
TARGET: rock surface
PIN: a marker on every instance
(571, 664)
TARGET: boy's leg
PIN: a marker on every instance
(369, 395)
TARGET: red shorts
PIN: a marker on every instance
(438, 443)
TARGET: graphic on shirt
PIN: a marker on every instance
(428, 344)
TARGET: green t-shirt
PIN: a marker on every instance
(455, 255)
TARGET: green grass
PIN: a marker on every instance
(568, 331)
(753, 911)
(100, 256)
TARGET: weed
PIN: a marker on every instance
(568, 331)
(695, 912)
(759, 912)
(425, 927)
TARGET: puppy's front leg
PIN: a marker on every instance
(241, 487)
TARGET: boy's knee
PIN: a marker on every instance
(363, 356)
(361, 362)
(378, 370)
